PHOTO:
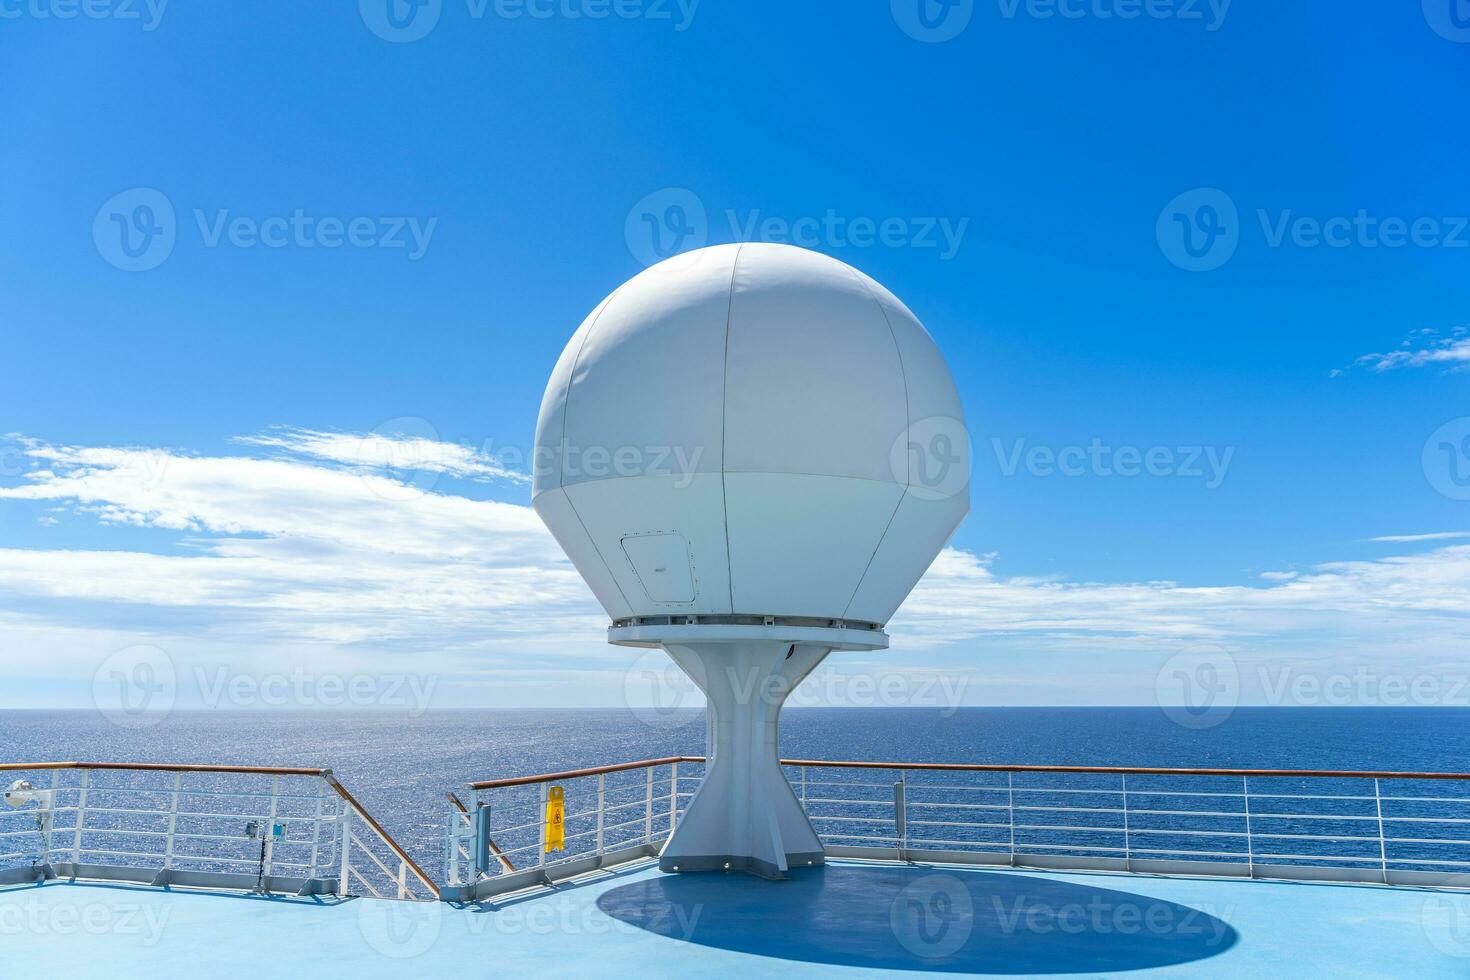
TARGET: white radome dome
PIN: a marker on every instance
(751, 429)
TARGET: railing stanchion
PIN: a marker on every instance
(49, 841)
(402, 881)
(601, 805)
(451, 848)
(344, 887)
(316, 827)
(1011, 811)
(900, 817)
(648, 809)
(76, 847)
(173, 819)
(541, 829)
(1250, 848)
(270, 830)
(1127, 836)
(1382, 845)
(673, 795)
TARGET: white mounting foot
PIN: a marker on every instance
(744, 817)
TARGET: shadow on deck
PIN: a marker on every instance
(923, 919)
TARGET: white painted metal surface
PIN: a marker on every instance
(1321, 828)
(749, 429)
(283, 831)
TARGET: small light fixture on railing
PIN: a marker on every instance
(22, 793)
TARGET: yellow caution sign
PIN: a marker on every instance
(556, 820)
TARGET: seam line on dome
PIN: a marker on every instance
(908, 420)
(566, 402)
(566, 411)
(724, 426)
(601, 557)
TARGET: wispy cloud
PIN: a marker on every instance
(1424, 348)
(286, 548)
(393, 452)
(1409, 538)
(298, 552)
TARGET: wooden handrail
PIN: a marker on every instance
(978, 767)
(164, 767)
(372, 822)
(574, 773)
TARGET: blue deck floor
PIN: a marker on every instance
(848, 919)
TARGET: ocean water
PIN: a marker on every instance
(400, 766)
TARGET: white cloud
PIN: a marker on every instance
(1409, 538)
(1426, 348)
(394, 451)
(301, 559)
(290, 549)
(1355, 602)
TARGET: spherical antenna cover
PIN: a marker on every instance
(751, 429)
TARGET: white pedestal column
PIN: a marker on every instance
(744, 816)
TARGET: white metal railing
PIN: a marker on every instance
(1411, 828)
(251, 827)
(609, 812)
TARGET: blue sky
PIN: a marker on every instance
(187, 470)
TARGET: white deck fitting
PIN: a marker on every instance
(750, 431)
